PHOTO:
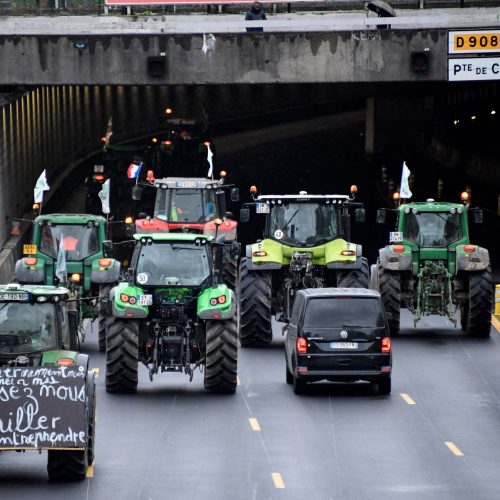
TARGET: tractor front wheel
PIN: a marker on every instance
(102, 319)
(254, 307)
(221, 357)
(390, 290)
(122, 353)
(355, 278)
(479, 304)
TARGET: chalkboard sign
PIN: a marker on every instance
(42, 408)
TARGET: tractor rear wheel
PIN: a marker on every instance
(230, 269)
(67, 465)
(222, 356)
(479, 304)
(254, 306)
(102, 320)
(355, 278)
(390, 290)
(122, 353)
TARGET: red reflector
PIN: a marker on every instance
(301, 369)
(398, 248)
(301, 345)
(386, 369)
(104, 262)
(222, 299)
(98, 177)
(128, 315)
(260, 253)
(470, 248)
(386, 344)
(124, 297)
(65, 362)
(30, 261)
(216, 316)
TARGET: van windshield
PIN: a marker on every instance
(343, 312)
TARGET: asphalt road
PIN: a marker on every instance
(437, 436)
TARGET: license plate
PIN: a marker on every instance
(262, 208)
(145, 300)
(98, 169)
(21, 297)
(29, 249)
(343, 345)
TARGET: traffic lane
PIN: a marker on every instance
(336, 431)
(174, 438)
(454, 380)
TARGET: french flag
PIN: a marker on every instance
(133, 170)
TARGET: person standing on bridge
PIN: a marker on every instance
(255, 13)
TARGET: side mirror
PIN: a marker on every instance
(136, 193)
(360, 215)
(74, 341)
(477, 216)
(234, 194)
(107, 246)
(381, 216)
(244, 215)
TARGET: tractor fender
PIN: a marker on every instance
(357, 264)
(265, 266)
(122, 310)
(102, 275)
(475, 261)
(392, 261)
(27, 274)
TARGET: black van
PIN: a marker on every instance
(340, 335)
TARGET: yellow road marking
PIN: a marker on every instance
(278, 480)
(96, 371)
(90, 471)
(407, 399)
(454, 449)
(238, 380)
(254, 424)
(496, 323)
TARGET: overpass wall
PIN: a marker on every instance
(333, 57)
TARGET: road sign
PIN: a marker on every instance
(474, 42)
(473, 69)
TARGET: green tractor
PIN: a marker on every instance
(431, 268)
(173, 314)
(47, 391)
(72, 249)
(306, 245)
(194, 205)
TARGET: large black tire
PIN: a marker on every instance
(384, 386)
(102, 320)
(122, 353)
(478, 314)
(230, 269)
(221, 365)
(91, 417)
(355, 278)
(254, 307)
(67, 465)
(390, 290)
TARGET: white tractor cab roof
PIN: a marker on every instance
(188, 183)
(328, 198)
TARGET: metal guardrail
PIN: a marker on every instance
(92, 7)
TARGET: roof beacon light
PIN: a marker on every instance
(464, 196)
(223, 173)
(395, 196)
(354, 189)
(253, 189)
(150, 176)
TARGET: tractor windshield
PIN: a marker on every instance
(176, 264)
(433, 229)
(303, 224)
(26, 327)
(78, 240)
(186, 205)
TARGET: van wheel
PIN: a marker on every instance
(384, 386)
